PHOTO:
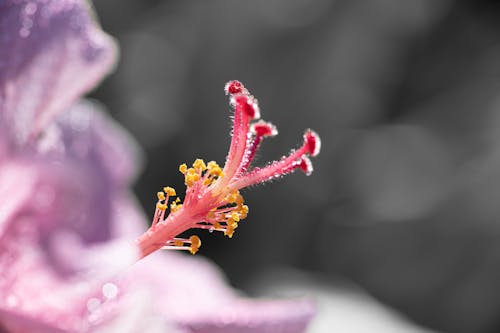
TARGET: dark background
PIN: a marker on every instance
(404, 200)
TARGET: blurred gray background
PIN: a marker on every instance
(404, 200)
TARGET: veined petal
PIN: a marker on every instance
(51, 52)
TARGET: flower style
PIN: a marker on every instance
(67, 218)
(213, 200)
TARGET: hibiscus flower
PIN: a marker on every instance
(68, 259)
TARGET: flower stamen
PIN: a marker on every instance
(213, 200)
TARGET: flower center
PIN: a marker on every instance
(213, 200)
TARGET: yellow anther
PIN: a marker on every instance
(217, 225)
(231, 198)
(232, 223)
(199, 164)
(174, 207)
(161, 206)
(239, 199)
(212, 164)
(229, 232)
(235, 216)
(214, 169)
(178, 200)
(178, 242)
(191, 178)
(170, 191)
(191, 171)
(195, 244)
(207, 182)
(160, 195)
(244, 209)
(183, 168)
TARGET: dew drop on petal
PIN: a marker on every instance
(93, 304)
(109, 290)
(30, 8)
(24, 32)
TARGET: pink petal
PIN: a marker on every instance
(32, 297)
(256, 316)
(16, 184)
(84, 163)
(192, 293)
(51, 52)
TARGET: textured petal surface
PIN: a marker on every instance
(85, 134)
(256, 316)
(36, 298)
(32, 297)
(51, 52)
(192, 294)
(88, 162)
(16, 182)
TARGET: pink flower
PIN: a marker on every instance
(67, 220)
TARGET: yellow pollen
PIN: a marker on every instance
(177, 200)
(170, 191)
(239, 199)
(161, 206)
(161, 195)
(231, 198)
(244, 209)
(199, 165)
(229, 232)
(217, 225)
(195, 244)
(214, 169)
(207, 181)
(232, 224)
(183, 168)
(235, 216)
(174, 207)
(191, 177)
(212, 164)
(178, 242)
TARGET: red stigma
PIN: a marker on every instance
(234, 87)
(263, 128)
(313, 142)
(305, 165)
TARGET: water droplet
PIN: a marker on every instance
(109, 290)
(24, 32)
(93, 304)
(30, 8)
